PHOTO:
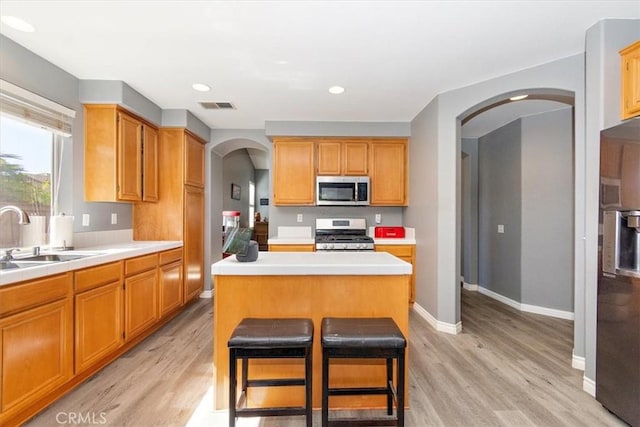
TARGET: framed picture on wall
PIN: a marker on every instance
(235, 191)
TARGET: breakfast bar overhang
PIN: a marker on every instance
(312, 285)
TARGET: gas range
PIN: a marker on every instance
(342, 234)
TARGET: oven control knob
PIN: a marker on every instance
(324, 246)
(344, 246)
(330, 246)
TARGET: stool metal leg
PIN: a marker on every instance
(400, 390)
(232, 387)
(325, 389)
(389, 386)
(245, 376)
(308, 381)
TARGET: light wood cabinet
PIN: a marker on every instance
(179, 213)
(406, 253)
(98, 323)
(343, 157)
(292, 248)
(293, 171)
(171, 290)
(389, 172)
(117, 165)
(36, 344)
(140, 294)
(630, 81)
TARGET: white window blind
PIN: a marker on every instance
(24, 105)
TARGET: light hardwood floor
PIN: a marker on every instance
(506, 368)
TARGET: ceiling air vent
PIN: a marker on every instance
(218, 105)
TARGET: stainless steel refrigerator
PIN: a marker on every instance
(618, 331)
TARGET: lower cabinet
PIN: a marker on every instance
(37, 354)
(292, 248)
(406, 253)
(141, 303)
(99, 318)
(170, 284)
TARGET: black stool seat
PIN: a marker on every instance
(361, 333)
(270, 333)
(358, 338)
(272, 339)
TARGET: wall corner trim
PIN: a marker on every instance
(589, 386)
(470, 286)
(577, 362)
(535, 309)
(208, 294)
(439, 326)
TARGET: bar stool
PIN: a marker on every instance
(272, 339)
(348, 338)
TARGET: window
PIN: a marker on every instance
(252, 203)
(32, 130)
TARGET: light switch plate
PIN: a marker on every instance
(85, 220)
(114, 218)
(378, 218)
(299, 219)
(500, 228)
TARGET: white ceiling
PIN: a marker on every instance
(275, 60)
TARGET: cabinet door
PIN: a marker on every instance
(631, 81)
(140, 302)
(150, 164)
(194, 161)
(171, 289)
(193, 241)
(329, 158)
(293, 172)
(405, 253)
(389, 173)
(98, 328)
(37, 353)
(355, 158)
(129, 158)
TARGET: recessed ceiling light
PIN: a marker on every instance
(201, 87)
(336, 90)
(281, 62)
(17, 24)
(518, 98)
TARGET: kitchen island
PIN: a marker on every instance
(312, 285)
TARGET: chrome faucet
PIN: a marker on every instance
(23, 217)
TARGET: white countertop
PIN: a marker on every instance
(314, 264)
(99, 255)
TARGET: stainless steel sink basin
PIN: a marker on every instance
(52, 257)
(9, 265)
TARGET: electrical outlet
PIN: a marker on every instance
(85, 220)
(378, 218)
(299, 219)
(114, 218)
(500, 228)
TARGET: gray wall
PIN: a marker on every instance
(435, 186)
(547, 210)
(213, 223)
(469, 206)
(379, 129)
(500, 199)
(262, 192)
(237, 168)
(603, 41)
(29, 71)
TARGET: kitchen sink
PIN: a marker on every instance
(52, 257)
(9, 265)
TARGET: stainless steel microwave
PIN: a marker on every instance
(342, 190)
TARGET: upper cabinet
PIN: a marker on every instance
(343, 157)
(630, 79)
(293, 171)
(193, 161)
(120, 156)
(389, 172)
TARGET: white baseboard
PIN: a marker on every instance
(470, 286)
(589, 386)
(552, 312)
(577, 362)
(439, 326)
(207, 294)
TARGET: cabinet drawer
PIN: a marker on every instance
(292, 248)
(15, 298)
(172, 255)
(139, 264)
(397, 250)
(95, 276)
